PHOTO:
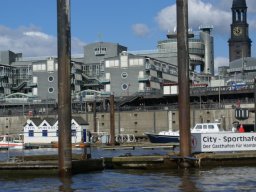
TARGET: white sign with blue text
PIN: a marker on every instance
(214, 142)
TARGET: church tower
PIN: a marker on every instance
(239, 42)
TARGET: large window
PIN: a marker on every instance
(44, 133)
(50, 65)
(112, 63)
(73, 132)
(136, 62)
(31, 133)
(124, 61)
(100, 51)
(108, 76)
(39, 67)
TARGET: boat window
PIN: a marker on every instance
(1, 138)
(211, 127)
(199, 127)
(220, 128)
(204, 126)
(9, 139)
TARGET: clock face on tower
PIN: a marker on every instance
(237, 31)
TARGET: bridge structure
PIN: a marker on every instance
(200, 97)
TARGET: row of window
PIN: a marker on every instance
(31, 133)
(42, 67)
(124, 62)
(93, 69)
(100, 51)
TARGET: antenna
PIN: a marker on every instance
(100, 37)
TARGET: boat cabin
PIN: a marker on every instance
(10, 142)
(207, 128)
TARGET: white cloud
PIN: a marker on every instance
(251, 10)
(37, 34)
(166, 18)
(220, 61)
(251, 4)
(140, 30)
(30, 41)
(200, 13)
(209, 12)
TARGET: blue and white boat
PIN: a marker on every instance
(174, 136)
(164, 137)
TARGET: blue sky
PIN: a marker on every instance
(30, 26)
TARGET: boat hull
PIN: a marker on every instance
(155, 138)
(10, 146)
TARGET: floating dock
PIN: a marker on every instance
(49, 164)
(82, 164)
(173, 160)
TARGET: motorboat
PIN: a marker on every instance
(174, 136)
(10, 142)
(164, 137)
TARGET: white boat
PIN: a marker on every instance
(10, 142)
(174, 136)
(207, 128)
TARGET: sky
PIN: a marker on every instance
(30, 26)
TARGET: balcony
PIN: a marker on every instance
(104, 81)
(144, 78)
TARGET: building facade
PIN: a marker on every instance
(242, 67)
(8, 74)
(39, 131)
(201, 52)
(109, 68)
(93, 65)
(36, 77)
(129, 74)
(242, 70)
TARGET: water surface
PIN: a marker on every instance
(225, 179)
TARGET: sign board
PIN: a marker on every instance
(215, 142)
(241, 114)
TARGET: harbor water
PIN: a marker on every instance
(226, 179)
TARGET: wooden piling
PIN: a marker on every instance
(64, 87)
(112, 119)
(183, 77)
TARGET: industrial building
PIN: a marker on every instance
(110, 68)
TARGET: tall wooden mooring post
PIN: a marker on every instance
(64, 87)
(183, 77)
(112, 119)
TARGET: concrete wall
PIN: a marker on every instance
(138, 122)
(13, 124)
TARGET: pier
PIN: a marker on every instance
(65, 162)
(48, 164)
